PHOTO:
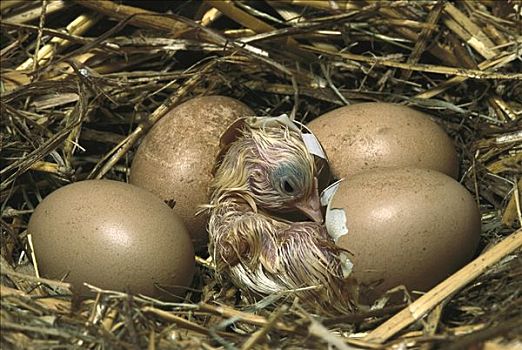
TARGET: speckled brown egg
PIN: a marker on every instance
(112, 235)
(366, 136)
(176, 157)
(404, 226)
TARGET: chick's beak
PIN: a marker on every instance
(311, 205)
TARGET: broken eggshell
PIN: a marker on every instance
(403, 226)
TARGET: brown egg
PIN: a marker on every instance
(404, 226)
(176, 157)
(366, 136)
(112, 235)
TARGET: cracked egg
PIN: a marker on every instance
(405, 226)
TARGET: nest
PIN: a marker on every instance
(83, 81)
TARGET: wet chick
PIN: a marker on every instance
(267, 169)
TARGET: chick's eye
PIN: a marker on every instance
(286, 179)
(287, 187)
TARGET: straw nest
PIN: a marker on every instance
(83, 81)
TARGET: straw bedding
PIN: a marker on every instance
(83, 81)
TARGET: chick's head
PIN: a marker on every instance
(274, 168)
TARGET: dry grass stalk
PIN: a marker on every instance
(427, 68)
(138, 17)
(32, 14)
(424, 36)
(476, 38)
(513, 208)
(181, 322)
(10, 3)
(229, 312)
(342, 5)
(261, 333)
(445, 289)
(77, 27)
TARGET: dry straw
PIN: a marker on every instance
(83, 81)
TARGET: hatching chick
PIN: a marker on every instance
(267, 169)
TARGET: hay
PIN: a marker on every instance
(83, 81)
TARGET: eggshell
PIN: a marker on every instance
(365, 136)
(176, 157)
(405, 226)
(112, 235)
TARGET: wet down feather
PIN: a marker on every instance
(267, 169)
